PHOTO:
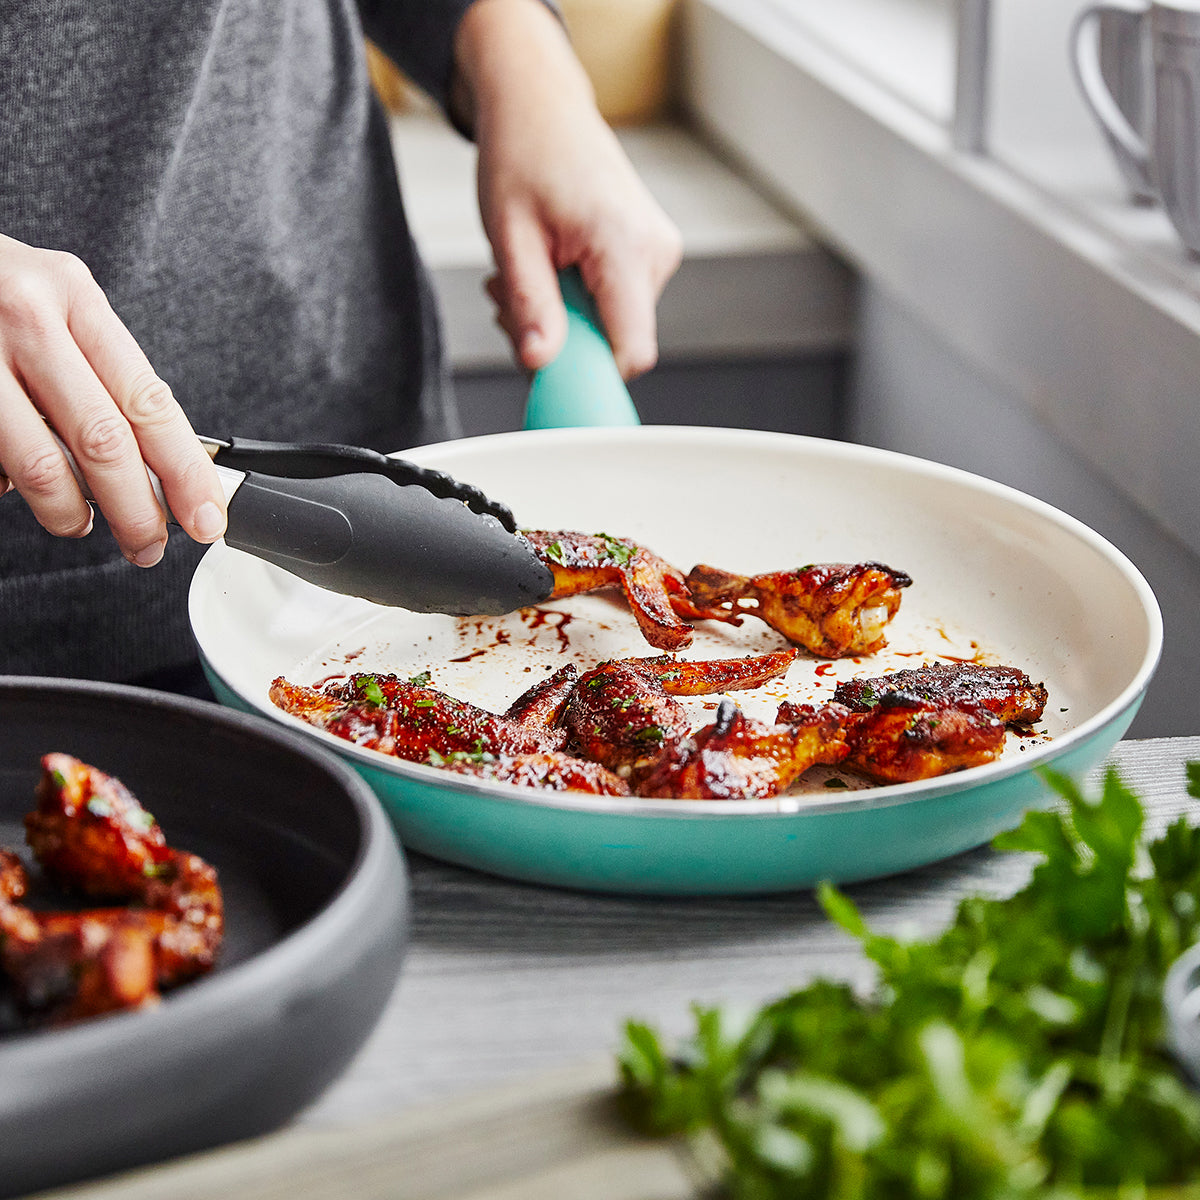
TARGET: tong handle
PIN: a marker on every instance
(322, 460)
(582, 386)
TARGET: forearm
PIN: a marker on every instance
(509, 54)
(555, 187)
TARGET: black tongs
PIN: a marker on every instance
(364, 524)
(361, 523)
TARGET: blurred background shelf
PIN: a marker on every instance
(754, 329)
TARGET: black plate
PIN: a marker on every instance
(316, 925)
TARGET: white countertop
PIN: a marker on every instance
(753, 281)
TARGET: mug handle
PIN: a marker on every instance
(1085, 59)
(582, 386)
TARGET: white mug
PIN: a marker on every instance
(1163, 39)
(1111, 39)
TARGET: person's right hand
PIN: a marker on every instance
(66, 358)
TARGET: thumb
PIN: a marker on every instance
(531, 304)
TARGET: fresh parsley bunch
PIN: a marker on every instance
(1020, 1053)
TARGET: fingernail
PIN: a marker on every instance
(209, 522)
(533, 348)
(149, 555)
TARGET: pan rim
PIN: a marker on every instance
(787, 806)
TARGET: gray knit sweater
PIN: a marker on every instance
(221, 167)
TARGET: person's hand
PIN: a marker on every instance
(66, 358)
(556, 189)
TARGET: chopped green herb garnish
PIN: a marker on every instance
(618, 551)
(651, 733)
(424, 679)
(1019, 1055)
(371, 691)
(556, 553)
(478, 755)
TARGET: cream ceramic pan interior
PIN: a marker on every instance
(997, 577)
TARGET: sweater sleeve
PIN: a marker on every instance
(418, 35)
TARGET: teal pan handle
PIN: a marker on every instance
(582, 386)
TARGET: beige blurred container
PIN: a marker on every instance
(397, 92)
(627, 48)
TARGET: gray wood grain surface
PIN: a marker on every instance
(490, 1075)
(505, 980)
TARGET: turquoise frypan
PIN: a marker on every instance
(996, 573)
(991, 568)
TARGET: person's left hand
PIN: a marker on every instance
(556, 189)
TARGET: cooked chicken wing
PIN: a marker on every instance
(904, 737)
(738, 758)
(587, 562)
(1005, 692)
(831, 609)
(410, 720)
(90, 835)
(623, 713)
(14, 882)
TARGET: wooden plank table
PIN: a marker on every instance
(489, 1075)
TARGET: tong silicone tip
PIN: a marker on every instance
(365, 535)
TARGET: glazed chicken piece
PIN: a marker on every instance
(67, 966)
(1005, 692)
(89, 832)
(831, 609)
(738, 758)
(623, 714)
(91, 836)
(549, 770)
(904, 737)
(586, 562)
(410, 720)
(14, 883)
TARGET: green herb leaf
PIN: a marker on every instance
(368, 685)
(650, 733)
(1018, 1055)
(618, 552)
